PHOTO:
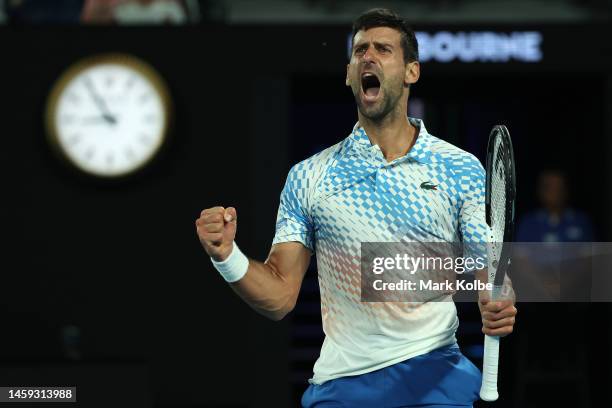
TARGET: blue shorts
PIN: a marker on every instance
(442, 378)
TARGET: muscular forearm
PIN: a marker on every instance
(270, 287)
(266, 290)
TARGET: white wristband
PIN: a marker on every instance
(234, 267)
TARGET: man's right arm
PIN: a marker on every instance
(270, 287)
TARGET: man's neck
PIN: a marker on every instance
(394, 134)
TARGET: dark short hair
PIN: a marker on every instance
(380, 17)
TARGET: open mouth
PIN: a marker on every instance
(370, 85)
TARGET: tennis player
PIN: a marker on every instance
(388, 181)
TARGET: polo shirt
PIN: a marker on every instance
(348, 194)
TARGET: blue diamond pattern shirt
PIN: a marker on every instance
(348, 194)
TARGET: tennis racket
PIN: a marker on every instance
(500, 193)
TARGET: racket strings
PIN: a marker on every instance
(498, 191)
(498, 198)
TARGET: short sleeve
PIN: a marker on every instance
(472, 218)
(292, 222)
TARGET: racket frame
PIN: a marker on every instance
(488, 391)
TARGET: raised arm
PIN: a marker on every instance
(270, 287)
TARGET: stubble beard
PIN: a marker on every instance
(381, 110)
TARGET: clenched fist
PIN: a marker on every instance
(216, 229)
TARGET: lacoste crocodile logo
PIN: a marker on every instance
(428, 185)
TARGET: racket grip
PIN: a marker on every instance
(488, 390)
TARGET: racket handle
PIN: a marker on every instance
(488, 390)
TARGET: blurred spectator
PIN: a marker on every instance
(43, 11)
(110, 11)
(556, 279)
(554, 221)
(137, 11)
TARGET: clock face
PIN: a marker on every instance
(108, 115)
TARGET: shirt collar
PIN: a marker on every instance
(420, 151)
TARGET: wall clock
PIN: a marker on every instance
(108, 115)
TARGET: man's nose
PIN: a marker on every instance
(369, 55)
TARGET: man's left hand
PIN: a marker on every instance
(498, 317)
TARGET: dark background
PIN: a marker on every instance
(121, 260)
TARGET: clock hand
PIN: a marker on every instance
(100, 103)
(94, 120)
(110, 119)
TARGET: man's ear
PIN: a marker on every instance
(347, 82)
(413, 71)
